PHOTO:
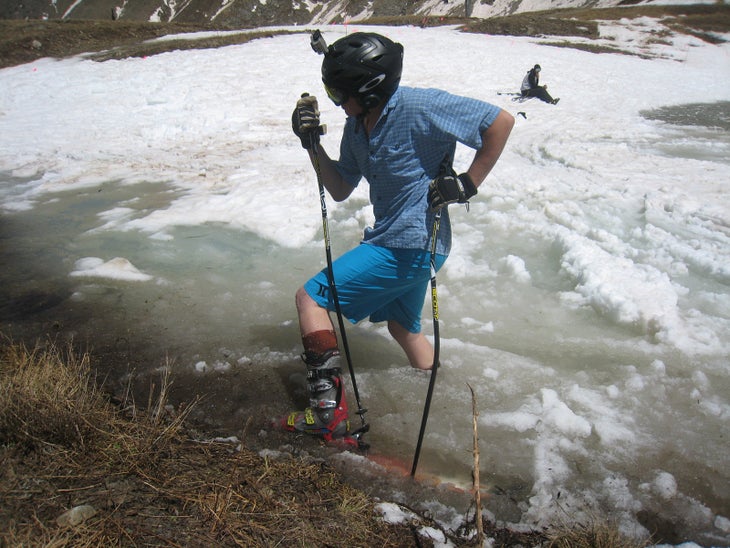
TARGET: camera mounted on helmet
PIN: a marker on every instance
(363, 65)
(317, 42)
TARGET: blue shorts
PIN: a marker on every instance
(382, 283)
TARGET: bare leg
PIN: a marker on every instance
(327, 412)
(417, 348)
(312, 317)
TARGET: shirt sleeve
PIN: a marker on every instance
(347, 165)
(463, 119)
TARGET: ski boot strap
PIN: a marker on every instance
(314, 360)
(325, 374)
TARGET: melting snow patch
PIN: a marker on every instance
(393, 513)
(116, 269)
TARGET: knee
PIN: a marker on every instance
(303, 300)
(396, 331)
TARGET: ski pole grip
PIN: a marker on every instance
(322, 128)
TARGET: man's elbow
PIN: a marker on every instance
(341, 192)
(498, 133)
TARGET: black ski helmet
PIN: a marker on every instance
(363, 65)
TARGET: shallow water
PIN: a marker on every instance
(698, 130)
(705, 115)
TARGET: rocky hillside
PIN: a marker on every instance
(252, 13)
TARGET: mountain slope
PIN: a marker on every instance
(278, 12)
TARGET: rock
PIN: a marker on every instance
(76, 516)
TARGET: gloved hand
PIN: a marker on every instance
(449, 189)
(305, 120)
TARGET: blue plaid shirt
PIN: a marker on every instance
(416, 131)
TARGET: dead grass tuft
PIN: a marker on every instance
(595, 533)
(43, 403)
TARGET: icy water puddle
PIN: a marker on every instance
(699, 130)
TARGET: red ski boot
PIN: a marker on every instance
(327, 414)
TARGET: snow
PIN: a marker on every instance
(394, 513)
(586, 298)
(117, 268)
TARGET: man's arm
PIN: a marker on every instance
(450, 188)
(306, 126)
(338, 188)
(493, 140)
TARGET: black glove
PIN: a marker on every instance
(305, 120)
(449, 189)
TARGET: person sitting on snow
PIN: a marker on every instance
(531, 88)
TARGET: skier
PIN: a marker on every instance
(531, 88)
(397, 138)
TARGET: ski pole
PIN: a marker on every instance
(436, 342)
(357, 434)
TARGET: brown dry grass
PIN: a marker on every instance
(593, 534)
(25, 41)
(63, 444)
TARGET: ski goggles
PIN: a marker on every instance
(337, 96)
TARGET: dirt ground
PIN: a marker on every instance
(80, 468)
(25, 41)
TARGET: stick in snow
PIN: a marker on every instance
(477, 492)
